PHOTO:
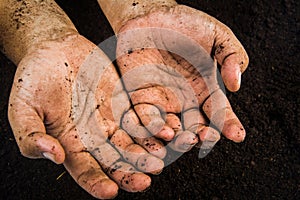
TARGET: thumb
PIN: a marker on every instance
(41, 145)
(30, 133)
(231, 55)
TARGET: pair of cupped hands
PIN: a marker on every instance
(69, 104)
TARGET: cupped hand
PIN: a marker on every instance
(168, 60)
(66, 106)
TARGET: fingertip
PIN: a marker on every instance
(184, 141)
(57, 158)
(142, 182)
(208, 134)
(105, 189)
(166, 133)
(159, 150)
(173, 122)
(234, 131)
(151, 118)
(128, 178)
(208, 137)
(150, 164)
(51, 149)
(40, 145)
(86, 171)
(231, 75)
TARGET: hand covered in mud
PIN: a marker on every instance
(168, 60)
(66, 105)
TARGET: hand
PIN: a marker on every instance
(66, 105)
(163, 57)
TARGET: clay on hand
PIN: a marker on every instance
(168, 60)
(61, 109)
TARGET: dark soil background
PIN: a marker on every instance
(265, 166)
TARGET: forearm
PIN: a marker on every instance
(118, 12)
(26, 23)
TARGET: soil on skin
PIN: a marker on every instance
(265, 166)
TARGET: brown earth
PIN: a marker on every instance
(265, 166)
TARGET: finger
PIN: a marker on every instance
(124, 174)
(153, 146)
(195, 122)
(128, 178)
(151, 118)
(208, 136)
(88, 174)
(135, 154)
(220, 113)
(231, 55)
(41, 145)
(183, 141)
(231, 75)
(131, 124)
(30, 133)
(174, 122)
(85, 170)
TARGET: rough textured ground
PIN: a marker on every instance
(265, 166)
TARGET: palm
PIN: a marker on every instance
(170, 50)
(61, 105)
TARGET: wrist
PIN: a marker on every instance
(119, 12)
(26, 24)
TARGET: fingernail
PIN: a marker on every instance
(239, 78)
(49, 156)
